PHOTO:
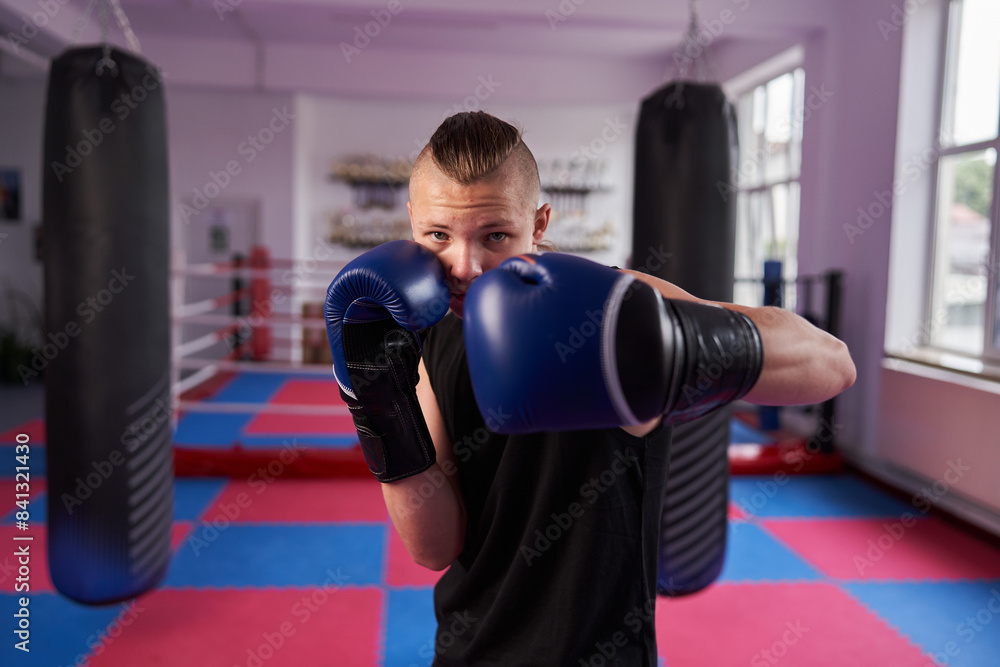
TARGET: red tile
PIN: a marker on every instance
(813, 624)
(314, 626)
(33, 428)
(309, 392)
(270, 423)
(304, 392)
(884, 549)
(402, 571)
(178, 534)
(39, 579)
(313, 500)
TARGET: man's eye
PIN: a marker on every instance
(498, 236)
(439, 236)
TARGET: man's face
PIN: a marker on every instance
(473, 228)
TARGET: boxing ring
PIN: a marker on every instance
(264, 331)
(251, 379)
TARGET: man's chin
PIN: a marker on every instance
(457, 304)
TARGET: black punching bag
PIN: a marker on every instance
(107, 391)
(684, 232)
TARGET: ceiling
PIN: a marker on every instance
(261, 41)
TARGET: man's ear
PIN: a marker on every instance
(541, 222)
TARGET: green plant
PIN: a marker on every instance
(13, 353)
(25, 325)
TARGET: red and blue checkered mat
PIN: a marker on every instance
(821, 571)
(267, 430)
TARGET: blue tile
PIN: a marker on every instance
(258, 555)
(957, 622)
(61, 630)
(8, 463)
(410, 628)
(36, 511)
(345, 441)
(192, 496)
(812, 496)
(250, 388)
(753, 555)
(210, 429)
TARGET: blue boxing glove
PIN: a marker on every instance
(563, 343)
(373, 308)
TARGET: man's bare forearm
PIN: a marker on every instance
(428, 515)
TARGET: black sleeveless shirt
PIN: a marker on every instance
(560, 555)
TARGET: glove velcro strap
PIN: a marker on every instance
(382, 360)
(719, 359)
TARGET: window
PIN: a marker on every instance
(963, 307)
(767, 202)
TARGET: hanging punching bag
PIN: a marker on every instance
(107, 391)
(684, 232)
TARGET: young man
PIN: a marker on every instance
(551, 537)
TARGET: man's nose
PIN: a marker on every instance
(466, 264)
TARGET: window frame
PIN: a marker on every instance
(792, 63)
(946, 85)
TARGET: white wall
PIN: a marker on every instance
(333, 128)
(208, 130)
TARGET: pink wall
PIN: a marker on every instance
(862, 71)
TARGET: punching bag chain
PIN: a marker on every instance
(106, 60)
(123, 23)
(692, 50)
